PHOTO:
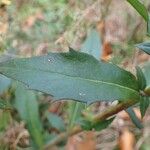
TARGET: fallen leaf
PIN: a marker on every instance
(107, 51)
(86, 142)
(3, 28)
(126, 140)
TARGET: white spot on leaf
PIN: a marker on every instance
(82, 94)
(49, 60)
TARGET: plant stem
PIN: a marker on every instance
(112, 110)
(74, 115)
(62, 137)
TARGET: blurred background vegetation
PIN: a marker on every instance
(29, 120)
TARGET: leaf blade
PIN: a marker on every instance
(92, 44)
(146, 71)
(87, 125)
(144, 104)
(134, 118)
(144, 46)
(82, 75)
(141, 9)
(141, 78)
(55, 121)
(27, 106)
(4, 83)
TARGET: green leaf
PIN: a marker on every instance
(74, 113)
(27, 106)
(5, 116)
(55, 121)
(134, 118)
(146, 70)
(5, 120)
(103, 124)
(144, 104)
(148, 26)
(92, 44)
(4, 83)
(4, 105)
(73, 75)
(145, 47)
(140, 8)
(141, 78)
(87, 125)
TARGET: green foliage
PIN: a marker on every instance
(5, 116)
(92, 45)
(145, 100)
(134, 118)
(5, 119)
(58, 73)
(70, 75)
(141, 78)
(146, 70)
(148, 26)
(144, 104)
(4, 83)
(55, 121)
(140, 8)
(4, 105)
(74, 113)
(145, 47)
(87, 125)
(27, 106)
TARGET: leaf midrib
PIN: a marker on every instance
(79, 78)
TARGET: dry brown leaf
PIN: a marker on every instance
(126, 140)
(86, 142)
(101, 28)
(3, 28)
(106, 51)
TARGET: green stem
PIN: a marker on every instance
(99, 117)
(74, 114)
(112, 110)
